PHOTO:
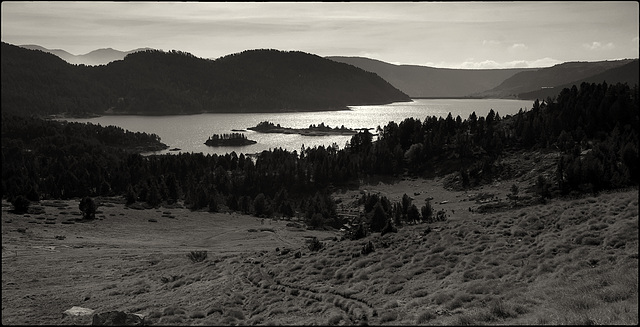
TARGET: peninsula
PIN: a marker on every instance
(312, 130)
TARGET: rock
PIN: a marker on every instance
(117, 318)
(78, 311)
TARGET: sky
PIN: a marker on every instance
(471, 35)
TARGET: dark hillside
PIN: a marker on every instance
(627, 73)
(154, 82)
(556, 76)
(300, 79)
(37, 82)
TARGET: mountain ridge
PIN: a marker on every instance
(96, 57)
(557, 76)
(424, 81)
(431, 82)
(155, 82)
(518, 83)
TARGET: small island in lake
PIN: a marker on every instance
(312, 130)
(233, 139)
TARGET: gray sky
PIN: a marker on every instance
(438, 34)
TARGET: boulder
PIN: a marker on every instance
(78, 311)
(117, 318)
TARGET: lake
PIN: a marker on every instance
(189, 132)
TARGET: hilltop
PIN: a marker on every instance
(154, 82)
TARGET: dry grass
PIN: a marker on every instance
(567, 262)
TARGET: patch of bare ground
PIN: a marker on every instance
(569, 261)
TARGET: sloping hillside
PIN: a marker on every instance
(627, 73)
(423, 81)
(552, 77)
(155, 82)
(571, 262)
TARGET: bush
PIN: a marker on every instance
(356, 232)
(388, 228)
(334, 320)
(173, 310)
(235, 314)
(501, 310)
(315, 245)
(20, 204)
(197, 315)
(88, 207)
(426, 316)
(367, 248)
(388, 316)
(197, 256)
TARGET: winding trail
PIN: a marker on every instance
(357, 310)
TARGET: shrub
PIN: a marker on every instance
(154, 314)
(591, 240)
(388, 316)
(441, 298)
(390, 289)
(88, 207)
(356, 232)
(465, 320)
(235, 314)
(197, 315)
(172, 310)
(420, 293)
(20, 204)
(214, 310)
(315, 245)
(334, 320)
(426, 316)
(501, 310)
(388, 228)
(367, 248)
(197, 256)
(171, 320)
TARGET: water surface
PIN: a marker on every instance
(189, 132)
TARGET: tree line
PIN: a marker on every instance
(595, 127)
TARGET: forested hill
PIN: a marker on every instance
(627, 73)
(154, 82)
(527, 85)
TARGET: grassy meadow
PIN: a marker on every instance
(570, 261)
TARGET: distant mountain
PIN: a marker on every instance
(93, 58)
(627, 73)
(154, 82)
(424, 81)
(551, 80)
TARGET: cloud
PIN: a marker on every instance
(492, 64)
(598, 46)
(518, 46)
(490, 42)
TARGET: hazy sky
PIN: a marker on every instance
(438, 34)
